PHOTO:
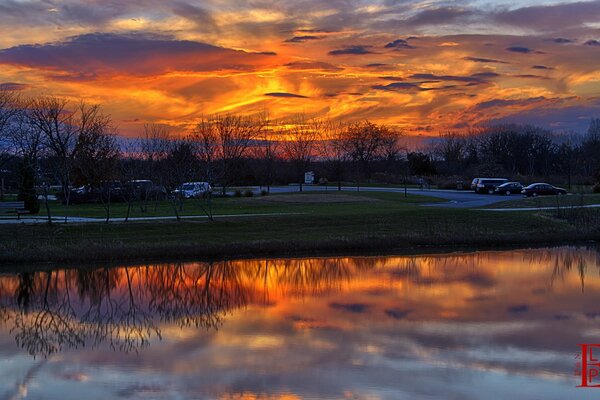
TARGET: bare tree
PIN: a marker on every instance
(333, 147)
(366, 142)
(299, 143)
(50, 116)
(9, 106)
(9, 101)
(26, 141)
(169, 161)
(222, 143)
(451, 149)
(267, 153)
(96, 153)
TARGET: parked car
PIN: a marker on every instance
(542, 189)
(509, 188)
(487, 185)
(109, 191)
(192, 190)
(144, 189)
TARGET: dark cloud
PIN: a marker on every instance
(399, 44)
(302, 39)
(392, 87)
(542, 67)
(314, 31)
(284, 94)
(485, 75)
(302, 65)
(435, 78)
(517, 309)
(376, 65)
(530, 76)
(592, 43)
(137, 54)
(592, 314)
(484, 60)
(505, 102)
(396, 313)
(351, 50)
(552, 114)
(561, 40)
(439, 16)
(350, 307)
(391, 78)
(199, 16)
(479, 279)
(519, 49)
(13, 86)
(550, 17)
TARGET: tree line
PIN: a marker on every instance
(49, 142)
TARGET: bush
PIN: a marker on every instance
(596, 188)
(237, 193)
(248, 193)
(264, 192)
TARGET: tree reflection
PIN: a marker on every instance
(126, 308)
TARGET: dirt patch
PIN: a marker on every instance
(316, 198)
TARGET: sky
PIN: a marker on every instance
(423, 67)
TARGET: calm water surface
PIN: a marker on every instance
(460, 326)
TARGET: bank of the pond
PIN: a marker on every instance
(286, 235)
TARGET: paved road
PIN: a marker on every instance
(541, 208)
(455, 198)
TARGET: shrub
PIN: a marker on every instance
(237, 193)
(264, 192)
(596, 188)
(248, 193)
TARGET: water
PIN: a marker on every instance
(457, 326)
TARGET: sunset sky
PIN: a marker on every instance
(422, 66)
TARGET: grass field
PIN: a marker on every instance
(301, 224)
(306, 203)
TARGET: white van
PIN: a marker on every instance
(193, 190)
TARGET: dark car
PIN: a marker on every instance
(109, 191)
(487, 185)
(143, 189)
(542, 189)
(509, 188)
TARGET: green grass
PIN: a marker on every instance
(275, 204)
(349, 223)
(549, 201)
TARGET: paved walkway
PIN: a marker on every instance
(84, 220)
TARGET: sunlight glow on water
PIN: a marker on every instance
(504, 324)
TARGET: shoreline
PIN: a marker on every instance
(68, 257)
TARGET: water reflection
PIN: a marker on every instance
(376, 327)
(126, 306)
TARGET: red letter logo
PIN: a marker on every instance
(590, 365)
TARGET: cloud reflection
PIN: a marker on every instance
(365, 326)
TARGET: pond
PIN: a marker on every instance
(503, 324)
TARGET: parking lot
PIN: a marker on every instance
(455, 198)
